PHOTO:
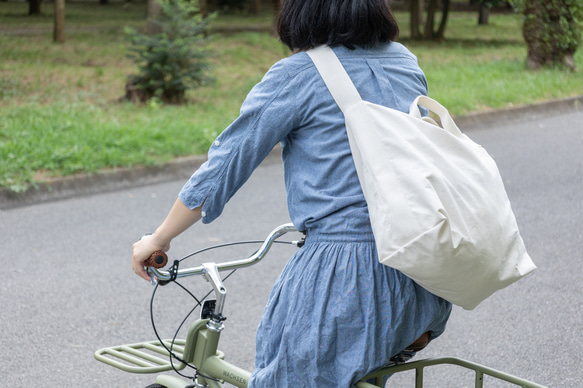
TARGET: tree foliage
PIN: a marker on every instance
(552, 31)
(174, 60)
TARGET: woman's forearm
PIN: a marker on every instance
(178, 220)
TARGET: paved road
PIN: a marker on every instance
(67, 287)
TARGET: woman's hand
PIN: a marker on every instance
(178, 220)
(142, 250)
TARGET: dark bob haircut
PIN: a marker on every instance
(305, 24)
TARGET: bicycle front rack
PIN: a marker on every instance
(143, 357)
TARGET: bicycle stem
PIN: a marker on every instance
(211, 275)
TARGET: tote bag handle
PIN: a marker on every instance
(446, 121)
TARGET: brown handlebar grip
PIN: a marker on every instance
(158, 259)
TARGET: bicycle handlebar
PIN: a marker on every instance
(200, 270)
(158, 259)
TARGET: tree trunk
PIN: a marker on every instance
(255, 7)
(34, 7)
(549, 30)
(430, 22)
(153, 13)
(416, 12)
(276, 8)
(204, 9)
(484, 15)
(429, 32)
(444, 15)
(59, 27)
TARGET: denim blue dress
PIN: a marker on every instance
(334, 314)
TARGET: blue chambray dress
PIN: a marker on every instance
(334, 314)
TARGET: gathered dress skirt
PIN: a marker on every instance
(336, 314)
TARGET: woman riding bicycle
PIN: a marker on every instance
(335, 314)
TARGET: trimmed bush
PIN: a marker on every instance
(172, 61)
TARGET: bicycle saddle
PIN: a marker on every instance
(408, 353)
(420, 343)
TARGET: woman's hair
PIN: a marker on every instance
(305, 24)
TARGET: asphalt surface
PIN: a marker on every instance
(67, 288)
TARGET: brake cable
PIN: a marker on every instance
(173, 271)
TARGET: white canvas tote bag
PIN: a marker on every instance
(437, 204)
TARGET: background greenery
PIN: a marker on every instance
(60, 107)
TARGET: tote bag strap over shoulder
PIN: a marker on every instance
(335, 77)
(346, 95)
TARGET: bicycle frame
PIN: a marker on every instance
(203, 339)
(199, 349)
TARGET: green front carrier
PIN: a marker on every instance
(153, 357)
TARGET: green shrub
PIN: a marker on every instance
(173, 60)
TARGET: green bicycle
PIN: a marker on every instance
(199, 353)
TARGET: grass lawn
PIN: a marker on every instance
(60, 108)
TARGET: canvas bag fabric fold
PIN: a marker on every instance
(438, 207)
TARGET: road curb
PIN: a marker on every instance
(520, 114)
(103, 181)
(181, 168)
(54, 189)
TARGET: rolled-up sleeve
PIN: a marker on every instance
(266, 117)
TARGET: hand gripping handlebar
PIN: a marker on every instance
(200, 270)
(158, 259)
(210, 271)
